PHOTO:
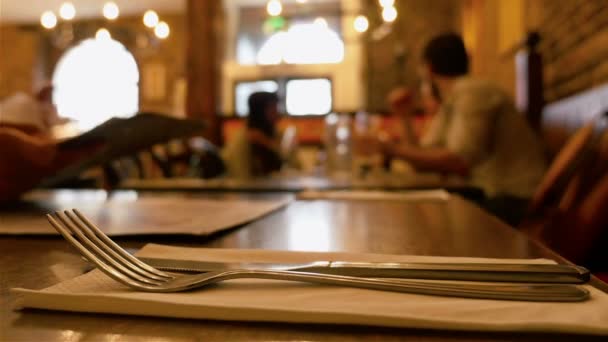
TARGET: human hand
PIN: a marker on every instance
(401, 101)
(26, 159)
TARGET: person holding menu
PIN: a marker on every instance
(26, 159)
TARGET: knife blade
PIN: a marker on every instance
(520, 273)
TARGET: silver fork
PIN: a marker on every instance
(121, 266)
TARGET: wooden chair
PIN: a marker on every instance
(577, 228)
(579, 234)
(574, 153)
(589, 172)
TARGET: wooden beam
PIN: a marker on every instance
(203, 60)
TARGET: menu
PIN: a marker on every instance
(123, 137)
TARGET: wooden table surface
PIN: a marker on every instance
(448, 228)
(296, 183)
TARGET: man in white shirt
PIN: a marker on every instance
(477, 133)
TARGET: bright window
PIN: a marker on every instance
(95, 81)
(308, 96)
(311, 43)
(245, 89)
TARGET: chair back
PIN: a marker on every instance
(575, 152)
(580, 235)
(587, 174)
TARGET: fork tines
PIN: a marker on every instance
(110, 258)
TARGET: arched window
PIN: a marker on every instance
(311, 43)
(95, 81)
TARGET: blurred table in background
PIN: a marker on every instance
(297, 183)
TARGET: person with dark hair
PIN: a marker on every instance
(477, 132)
(255, 150)
(447, 56)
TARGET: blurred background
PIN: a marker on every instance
(204, 58)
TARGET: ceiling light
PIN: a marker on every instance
(110, 10)
(389, 14)
(150, 18)
(387, 3)
(361, 24)
(48, 20)
(162, 30)
(103, 34)
(274, 7)
(67, 11)
(321, 22)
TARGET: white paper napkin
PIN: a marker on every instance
(278, 301)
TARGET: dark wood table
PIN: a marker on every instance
(448, 228)
(297, 183)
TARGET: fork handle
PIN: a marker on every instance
(528, 292)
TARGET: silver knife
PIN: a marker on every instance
(519, 273)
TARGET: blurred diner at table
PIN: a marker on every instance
(254, 152)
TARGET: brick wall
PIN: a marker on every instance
(574, 46)
(393, 60)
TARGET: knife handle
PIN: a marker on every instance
(520, 273)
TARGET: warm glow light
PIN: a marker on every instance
(150, 18)
(48, 20)
(162, 30)
(389, 14)
(94, 81)
(361, 24)
(302, 44)
(299, 92)
(321, 22)
(110, 10)
(387, 3)
(67, 11)
(103, 34)
(301, 1)
(274, 7)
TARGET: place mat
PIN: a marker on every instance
(279, 301)
(124, 215)
(410, 195)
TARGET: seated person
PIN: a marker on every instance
(32, 114)
(26, 159)
(477, 132)
(255, 150)
(430, 103)
(414, 110)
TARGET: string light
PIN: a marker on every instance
(110, 10)
(150, 19)
(274, 7)
(162, 30)
(321, 22)
(389, 14)
(48, 20)
(103, 34)
(361, 24)
(67, 11)
(387, 3)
